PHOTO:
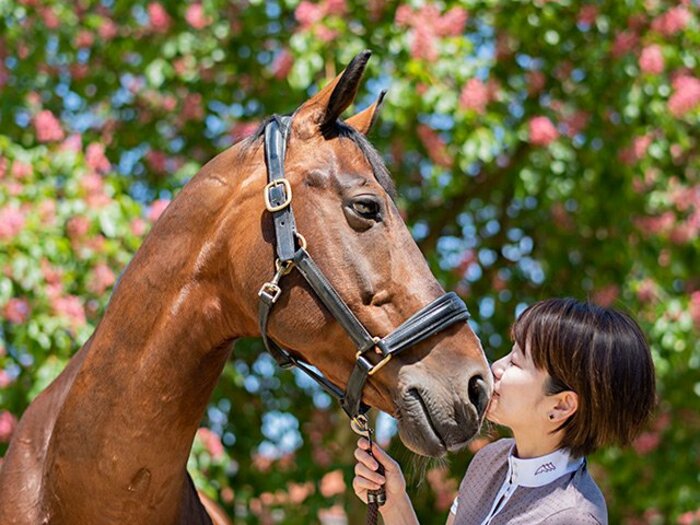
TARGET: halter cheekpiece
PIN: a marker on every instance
(443, 312)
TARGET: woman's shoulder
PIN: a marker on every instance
(576, 501)
(489, 459)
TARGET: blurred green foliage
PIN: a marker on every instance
(540, 149)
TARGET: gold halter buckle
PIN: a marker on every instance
(287, 193)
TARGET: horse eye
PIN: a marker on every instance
(367, 208)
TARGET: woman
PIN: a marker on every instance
(579, 377)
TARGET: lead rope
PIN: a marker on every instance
(375, 498)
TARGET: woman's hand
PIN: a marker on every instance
(366, 477)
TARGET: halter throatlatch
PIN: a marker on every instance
(443, 312)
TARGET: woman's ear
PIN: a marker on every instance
(565, 406)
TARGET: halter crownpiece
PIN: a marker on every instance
(440, 314)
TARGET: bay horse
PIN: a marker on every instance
(108, 440)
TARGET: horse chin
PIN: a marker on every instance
(425, 432)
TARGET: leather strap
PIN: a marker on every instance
(278, 194)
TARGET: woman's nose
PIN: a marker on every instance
(497, 368)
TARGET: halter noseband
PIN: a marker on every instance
(443, 312)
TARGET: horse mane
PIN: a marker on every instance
(342, 130)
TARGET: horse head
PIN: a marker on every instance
(344, 205)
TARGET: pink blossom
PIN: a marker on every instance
(588, 14)
(84, 38)
(282, 64)
(52, 275)
(8, 422)
(101, 279)
(672, 21)
(73, 143)
(5, 379)
(541, 131)
(16, 310)
(474, 96)
(160, 20)
(325, 34)
(695, 308)
(536, 81)
(12, 221)
(332, 483)
(107, 29)
(688, 518)
(404, 15)
(227, 495)
(47, 127)
(625, 42)
(336, 7)
(157, 161)
(47, 211)
(637, 150)
(647, 442)
(423, 44)
(648, 291)
(656, 224)
(308, 13)
(195, 16)
(332, 515)
(686, 95)
(3, 167)
(192, 108)
(96, 159)
(298, 492)
(48, 15)
(606, 295)
(71, 308)
(241, 130)
(77, 227)
(651, 60)
(434, 145)
(21, 170)
(157, 209)
(576, 122)
(92, 183)
(452, 23)
(212, 442)
(138, 227)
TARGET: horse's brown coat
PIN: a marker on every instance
(108, 440)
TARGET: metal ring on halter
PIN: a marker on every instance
(283, 268)
(375, 368)
(302, 240)
(360, 425)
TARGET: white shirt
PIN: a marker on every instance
(531, 472)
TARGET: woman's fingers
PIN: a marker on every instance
(381, 456)
(365, 459)
(360, 485)
(364, 472)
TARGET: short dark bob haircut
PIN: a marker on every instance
(600, 354)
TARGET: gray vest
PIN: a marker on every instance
(572, 499)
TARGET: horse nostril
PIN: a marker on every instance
(478, 394)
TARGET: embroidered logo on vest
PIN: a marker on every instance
(547, 467)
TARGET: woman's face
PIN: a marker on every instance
(519, 400)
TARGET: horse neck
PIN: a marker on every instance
(155, 356)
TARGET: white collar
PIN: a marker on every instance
(536, 472)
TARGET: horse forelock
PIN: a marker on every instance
(342, 130)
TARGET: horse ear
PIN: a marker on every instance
(365, 119)
(324, 108)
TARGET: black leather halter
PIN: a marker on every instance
(291, 253)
